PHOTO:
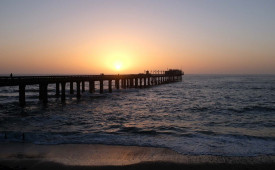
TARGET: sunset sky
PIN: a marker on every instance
(128, 36)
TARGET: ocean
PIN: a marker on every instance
(228, 115)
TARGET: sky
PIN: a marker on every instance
(130, 36)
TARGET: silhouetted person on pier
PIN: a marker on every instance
(11, 75)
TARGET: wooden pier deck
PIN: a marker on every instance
(121, 81)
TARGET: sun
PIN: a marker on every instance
(118, 65)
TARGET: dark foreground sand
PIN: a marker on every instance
(85, 156)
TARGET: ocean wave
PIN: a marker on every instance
(200, 144)
(253, 109)
(207, 132)
(196, 109)
(137, 130)
(250, 137)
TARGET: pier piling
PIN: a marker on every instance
(140, 82)
(123, 83)
(57, 89)
(136, 82)
(101, 86)
(131, 83)
(63, 86)
(117, 83)
(144, 81)
(83, 86)
(41, 91)
(110, 86)
(78, 89)
(71, 87)
(91, 86)
(148, 81)
(22, 99)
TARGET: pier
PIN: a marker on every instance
(141, 80)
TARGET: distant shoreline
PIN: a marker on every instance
(79, 156)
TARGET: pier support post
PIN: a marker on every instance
(117, 83)
(136, 82)
(128, 83)
(63, 85)
(110, 86)
(91, 86)
(71, 87)
(144, 81)
(56, 89)
(22, 99)
(101, 86)
(140, 82)
(41, 92)
(131, 82)
(123, 83)
(45, 93)
(83, 86)
(149, 83)
(78, 89)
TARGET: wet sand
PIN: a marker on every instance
(93, 156)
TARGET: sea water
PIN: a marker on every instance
(229, 115)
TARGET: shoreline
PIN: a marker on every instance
(75, 156)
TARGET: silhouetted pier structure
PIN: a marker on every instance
(146, 79)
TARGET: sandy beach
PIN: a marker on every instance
(93, 156)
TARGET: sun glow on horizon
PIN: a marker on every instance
(118, 61)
